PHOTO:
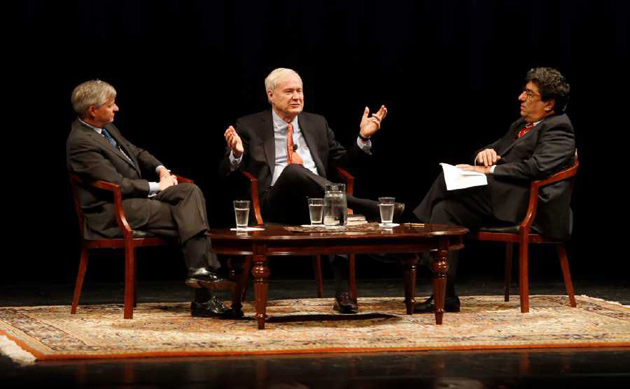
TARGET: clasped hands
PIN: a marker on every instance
(166, 179)
(486, 158)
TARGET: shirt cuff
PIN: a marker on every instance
(157, 169)
(234, 162)
(492, 169)
(365, 145)
(154, 187)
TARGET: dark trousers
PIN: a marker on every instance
(470, 208)
(286, 201)
(180, 211)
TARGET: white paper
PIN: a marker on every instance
(457, 178)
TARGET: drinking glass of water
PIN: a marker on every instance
(316, 211)
(386, 208)
(241, 212)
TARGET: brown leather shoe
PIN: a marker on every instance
(451, 304)
(344, 304)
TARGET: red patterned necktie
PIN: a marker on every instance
(525, 129)
(292, 155)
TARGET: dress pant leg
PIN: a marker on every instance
(182, 208)
(286, 202)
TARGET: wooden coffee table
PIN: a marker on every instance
(366, 239)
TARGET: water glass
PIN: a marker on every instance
(316, 211)
(386, 207)
(241, 212)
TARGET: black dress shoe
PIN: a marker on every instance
(204, 278)
(451, 304)
(211, 308)
(345, 304)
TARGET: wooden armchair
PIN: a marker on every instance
(523, 236)
(348, 179)
(129, 242)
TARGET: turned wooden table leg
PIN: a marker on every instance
(261, 272)
(440, 266)
(410, 264)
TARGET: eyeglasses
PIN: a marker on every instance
(530, 95)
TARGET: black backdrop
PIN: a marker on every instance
(449, 72)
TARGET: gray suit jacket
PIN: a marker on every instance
(92, 157)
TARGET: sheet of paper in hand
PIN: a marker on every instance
(457, 178)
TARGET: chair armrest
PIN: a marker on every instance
(119, 212)
(253, 193)
(535, 187)
(348, 179)
(183, 180)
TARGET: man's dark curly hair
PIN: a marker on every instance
(552, 86)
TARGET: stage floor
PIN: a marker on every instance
(479, 369)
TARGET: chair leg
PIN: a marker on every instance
(130, 277)
(566, 273)
(317, 264)
(352, 277)
(135, 284)
(80, 276)
(509, 253)
(523, 271)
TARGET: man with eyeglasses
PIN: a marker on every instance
(540, 143)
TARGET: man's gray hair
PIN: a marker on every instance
(93, 92)
(275, 76)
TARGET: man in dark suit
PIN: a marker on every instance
(96, 150)
(535, 146)
(292, 153)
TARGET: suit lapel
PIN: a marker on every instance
(311, 141)
(511, 136)
(268, 141)
(121, 143)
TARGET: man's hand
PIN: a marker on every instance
(480, 169)
(234, 142)
(487, 157)
(166, 181)
(369, 125)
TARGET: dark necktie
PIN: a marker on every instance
(114, 144)
(292, 155)
(525, 130)
(109, 138)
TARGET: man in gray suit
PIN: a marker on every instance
(96, 150)
(540, 143)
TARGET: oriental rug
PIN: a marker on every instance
(310, 326)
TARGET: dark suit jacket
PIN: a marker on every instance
(92, 157)
(256, 132)
(543, 151)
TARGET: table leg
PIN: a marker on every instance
(410, 264)
(261, 272)
(440, 266)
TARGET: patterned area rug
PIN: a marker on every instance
(310, 326)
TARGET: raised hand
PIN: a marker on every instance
(369, 125)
